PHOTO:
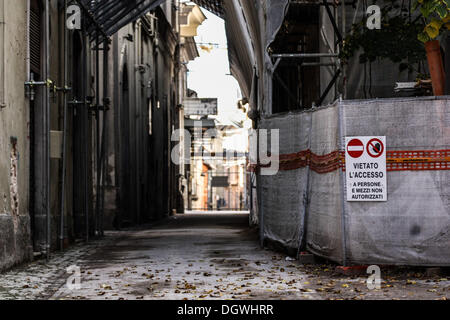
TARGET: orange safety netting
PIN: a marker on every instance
(396, 161)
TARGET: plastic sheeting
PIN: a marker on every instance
(412, 228)
(276, 10)
(251, 28)
(284, 195)
(240, 49)
(275, 13)
(263, 19)
(324, 214)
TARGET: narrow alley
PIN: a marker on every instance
(203, 257)
(224, 150)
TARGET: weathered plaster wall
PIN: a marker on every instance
(15, 242)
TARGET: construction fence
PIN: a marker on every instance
(304, 206)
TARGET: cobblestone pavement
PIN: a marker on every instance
(203, 257)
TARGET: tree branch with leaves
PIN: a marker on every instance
(436, 14)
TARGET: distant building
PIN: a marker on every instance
(217, 171)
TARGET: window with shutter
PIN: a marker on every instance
(35, 36)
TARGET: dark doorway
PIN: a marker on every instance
(126, 185)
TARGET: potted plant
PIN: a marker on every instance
(436, 14)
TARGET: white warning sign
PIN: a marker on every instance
(365, 161)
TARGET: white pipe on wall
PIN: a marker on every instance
(47, 125)
(2, 54)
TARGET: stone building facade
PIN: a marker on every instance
(87, 123)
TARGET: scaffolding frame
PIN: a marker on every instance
(339, 71)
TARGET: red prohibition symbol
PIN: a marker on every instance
(375, 148)
(355, 148)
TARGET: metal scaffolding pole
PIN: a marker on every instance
(344, 68)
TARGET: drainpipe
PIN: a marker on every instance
(137, 117)
(447, 64)
(47, 123)
(86, 130)
(179, 97)
(64, 154)
(436, 66)
(97, 116)
(105, 130)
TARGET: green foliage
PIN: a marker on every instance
(396, 40)
(436, 14)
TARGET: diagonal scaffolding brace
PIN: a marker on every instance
(335, 56)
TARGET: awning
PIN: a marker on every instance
(106, 17)
(215, 6)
